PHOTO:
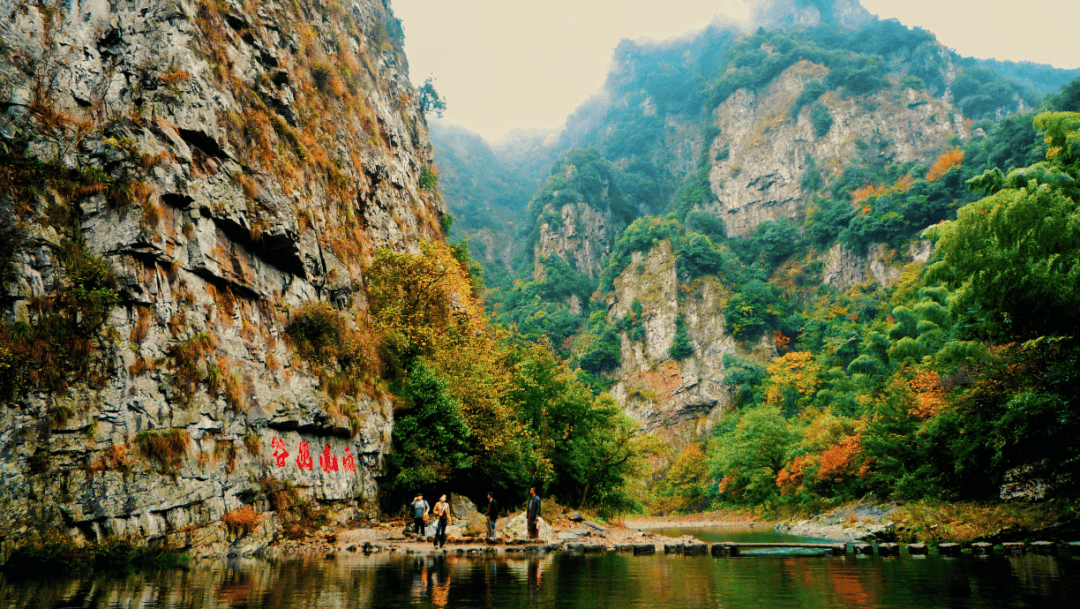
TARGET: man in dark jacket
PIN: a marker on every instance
(492, 515)
(532, 512)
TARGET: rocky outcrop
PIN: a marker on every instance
(855, 522)
(583, 239)
(683, 398)
(845, 269)
(763, 153)
(228, 162)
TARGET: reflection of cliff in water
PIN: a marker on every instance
(519, 580)
(330, 582)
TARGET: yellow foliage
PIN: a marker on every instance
(825, 429)
(793, 372)
(929, 395)
(427, 301)
(423, 297)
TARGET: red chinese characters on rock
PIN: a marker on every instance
(280, 452)
(347, 462)
(303, 460)
(328, 461)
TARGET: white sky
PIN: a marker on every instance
(503, 64)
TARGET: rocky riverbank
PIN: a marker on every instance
(855, 522)
(565, 532)
(569, 530)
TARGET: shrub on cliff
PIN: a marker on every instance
(753, 310)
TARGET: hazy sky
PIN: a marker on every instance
(502, 64)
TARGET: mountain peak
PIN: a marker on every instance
(804, 13)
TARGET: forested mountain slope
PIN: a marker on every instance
(740, 233)
(492, 188)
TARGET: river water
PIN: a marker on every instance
(619, 581)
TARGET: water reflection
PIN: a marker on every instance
(566, 580)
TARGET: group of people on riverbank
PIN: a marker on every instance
(422, 512)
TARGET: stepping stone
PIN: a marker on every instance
(1043, 548)
(1015, 548)
(696, 549)
(917, 549)
(949, 549)
(644, 548)
(981, 548)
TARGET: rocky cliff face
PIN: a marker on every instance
(758, 161)
(763, 152)
(179, 178)
(576, 214)
(683, 399)
(679, 398)
(582, 238)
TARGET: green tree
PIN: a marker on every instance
(431, 438)
(1014, 256)
(775, 241)
(753, 310)
(747, 456)
(744, 377)
(821, 118)
(430, 101)
(1069, 98)
(588, 445)
(681, 347)
(698, 258)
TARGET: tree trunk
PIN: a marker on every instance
(584, 494)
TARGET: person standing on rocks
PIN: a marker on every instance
(420, 510)
(442, 513)
(492, 515)
(532, 512)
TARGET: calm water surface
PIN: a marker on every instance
(563, 580)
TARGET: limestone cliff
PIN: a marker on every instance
(179, 178)
(679, 397)
(577, 213)
(763, 152)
